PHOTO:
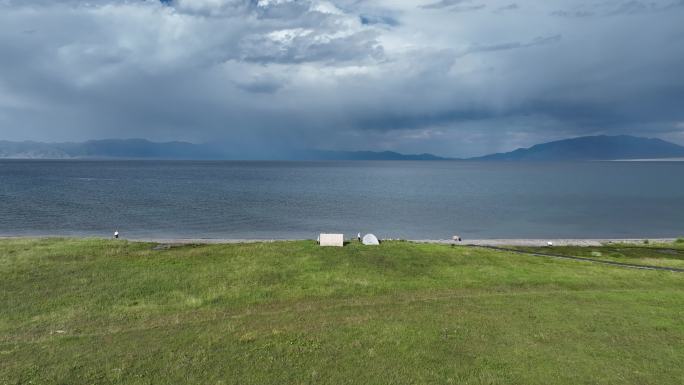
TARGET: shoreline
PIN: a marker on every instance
(465, 242)
(554, 241)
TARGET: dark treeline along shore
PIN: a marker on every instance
(298, 200)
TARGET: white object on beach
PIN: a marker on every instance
(116, 234)
(549, 243)
(370, 239)
(336, 240)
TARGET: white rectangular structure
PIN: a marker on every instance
(336, 240)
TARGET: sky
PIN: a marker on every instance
(448, 77)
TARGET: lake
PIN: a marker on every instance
(393, 199)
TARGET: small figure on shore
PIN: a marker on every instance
(116, 234)
(457, 238)
(358, 237)
(549, 244)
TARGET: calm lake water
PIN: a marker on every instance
(300, 199)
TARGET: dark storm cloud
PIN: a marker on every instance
(454, 6)
(379, 19)
(539, 40)
(263, 76)
(615, 8)
(509, 7)
(444, 4)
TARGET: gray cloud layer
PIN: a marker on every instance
(452, 77)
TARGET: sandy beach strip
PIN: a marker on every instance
(545, 242)
(464, 242)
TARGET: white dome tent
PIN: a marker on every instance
(370, 239)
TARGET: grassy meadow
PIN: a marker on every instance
(669, 255)
(117, 312)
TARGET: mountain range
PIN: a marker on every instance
(145, 149)
(622, 147)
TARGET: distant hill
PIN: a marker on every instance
(108, 148)
(145, 149)
(592, 148)
(362, 155)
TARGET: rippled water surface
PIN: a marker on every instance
(300, 199)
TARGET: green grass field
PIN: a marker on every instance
(113, 312)
(671, 255)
